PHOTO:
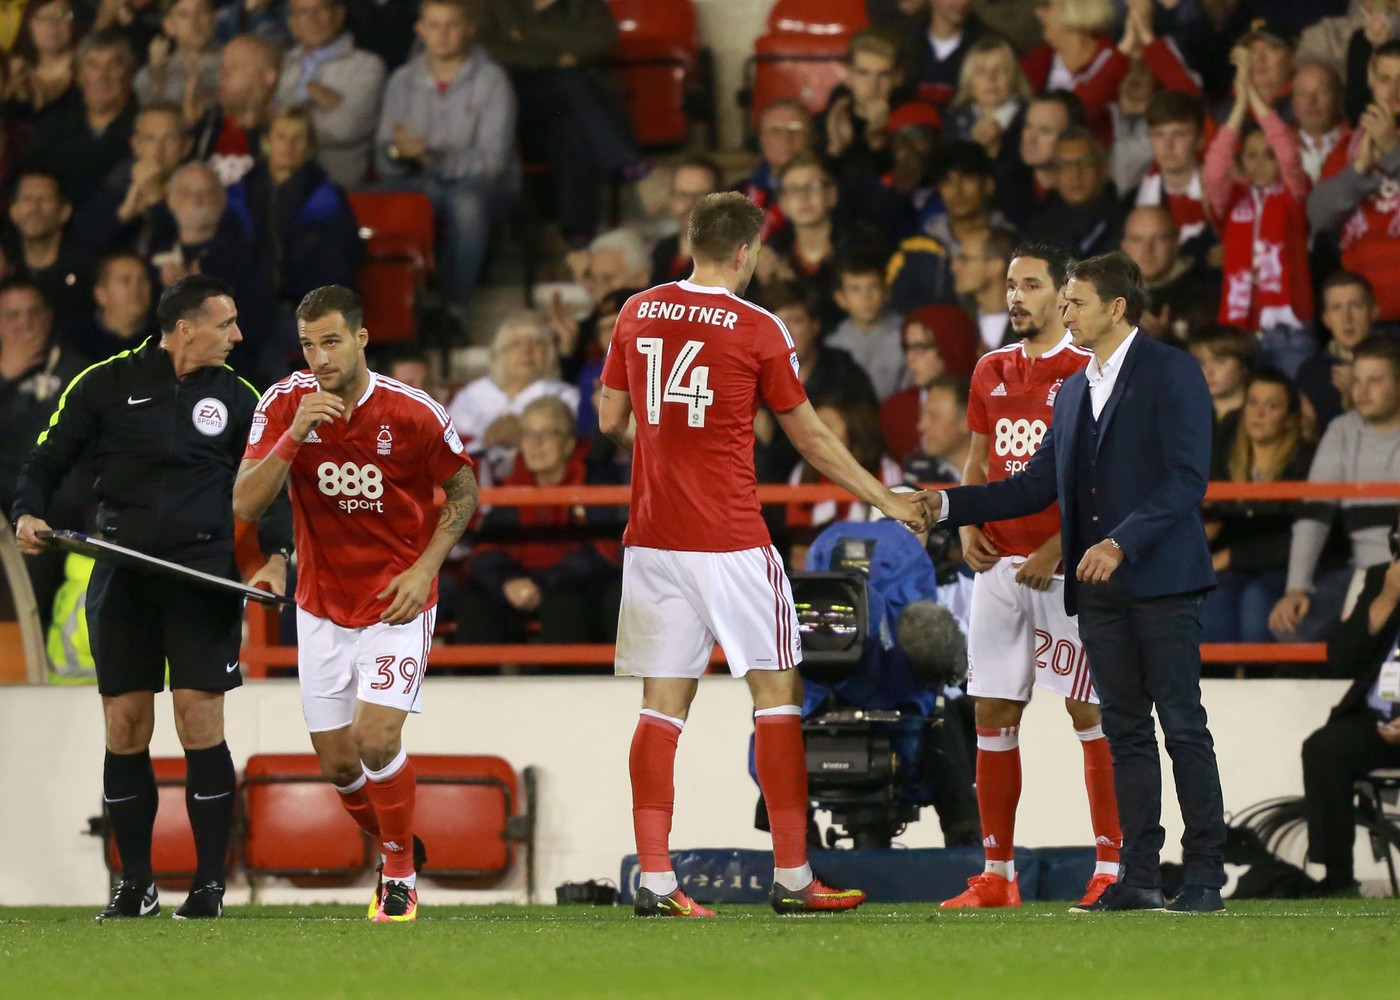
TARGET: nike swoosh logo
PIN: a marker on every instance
(124, 798)
(148, 906)
(132, 400)
(231, 667)
(210, 798)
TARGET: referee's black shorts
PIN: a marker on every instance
(139, 621)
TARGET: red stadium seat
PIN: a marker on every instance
(470, 816)
(295, 826)
(818, 17)
(956, 334)
(803, 54)
(397, 228)
(172, 842)
(662, 67)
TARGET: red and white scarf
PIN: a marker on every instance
(1266, 274)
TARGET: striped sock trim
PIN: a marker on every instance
(999, 740)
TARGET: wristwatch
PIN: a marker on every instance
(1114, 543)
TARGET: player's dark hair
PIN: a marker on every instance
(1345, 279)
(1114, 276)
(321, 302)
(721, 224)
(1057, 259)
(1380, 346)
(184, 299)
(961, 156)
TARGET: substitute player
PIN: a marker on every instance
(1020, 634)
(693, 361)
(164, 425)
(363, 453)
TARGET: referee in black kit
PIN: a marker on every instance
(165, 425)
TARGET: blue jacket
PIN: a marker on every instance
(1154, 447)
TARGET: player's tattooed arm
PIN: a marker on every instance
(460, 503)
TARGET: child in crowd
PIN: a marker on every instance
(870, 332)
(1263, 222)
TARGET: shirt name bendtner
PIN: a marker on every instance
(713, 315)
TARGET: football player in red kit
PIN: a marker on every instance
(1020, 636)
(363, 454)
(688, 366)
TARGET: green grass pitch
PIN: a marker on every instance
(1342, 949)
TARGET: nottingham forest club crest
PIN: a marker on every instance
(385, 440)
(1054, 391)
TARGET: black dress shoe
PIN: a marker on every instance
(1196, 899)
(1119, 897)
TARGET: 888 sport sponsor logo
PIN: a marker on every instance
(1017, 440)
(361, 486)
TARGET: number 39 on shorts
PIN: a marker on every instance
(696, 393)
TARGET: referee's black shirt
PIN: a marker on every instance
(165, 450)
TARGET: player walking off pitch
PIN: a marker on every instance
(692, 361)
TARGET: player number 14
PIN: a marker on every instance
(696, 393)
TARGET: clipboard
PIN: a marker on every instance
(100, 548)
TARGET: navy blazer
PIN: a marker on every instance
(1152, 464)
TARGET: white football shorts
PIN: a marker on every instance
(676, 605)
(1021, 637)
(379, 664)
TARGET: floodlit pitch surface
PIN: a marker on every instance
(1256, 950)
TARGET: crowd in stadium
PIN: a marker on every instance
(1244, 153)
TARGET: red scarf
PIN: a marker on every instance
(1266, 260)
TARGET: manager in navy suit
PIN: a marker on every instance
(1128, 456)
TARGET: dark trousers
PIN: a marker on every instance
(1334, 757)
(570, 612)
(568, 122)
(1144, 652)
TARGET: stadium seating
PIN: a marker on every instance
(172, 842)
(666, 74)
(397, 228)
(802, 55)
(295, 826)
(471, 817)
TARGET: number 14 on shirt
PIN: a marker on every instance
(696, 393)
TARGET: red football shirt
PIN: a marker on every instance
(697, 361)
(1011, 401)
(362, 491)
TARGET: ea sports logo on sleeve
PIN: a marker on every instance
(210, 416)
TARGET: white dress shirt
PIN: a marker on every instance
(1101, 378)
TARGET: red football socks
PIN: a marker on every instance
(652, 764)
(781, 762)
(355, 799)
(1103, 800)
(998, 789)
(392, 796)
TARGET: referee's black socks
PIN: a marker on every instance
(129, 790)
(209, 796)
